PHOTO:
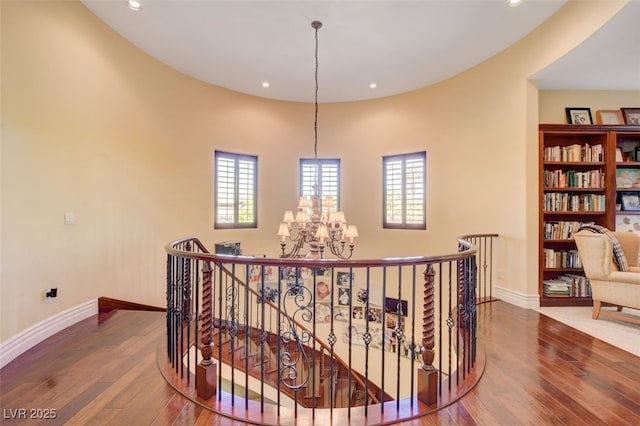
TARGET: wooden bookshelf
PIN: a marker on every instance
(627, 143)
(578, 169)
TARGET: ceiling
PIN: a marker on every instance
(399, 45)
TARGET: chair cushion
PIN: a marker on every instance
(618, 255)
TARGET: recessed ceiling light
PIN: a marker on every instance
(135, 5)
(373, 85)
(265, 84)
(514, 3)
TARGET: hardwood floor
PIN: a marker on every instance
(538, 372)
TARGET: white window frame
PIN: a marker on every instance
(235, 190)
(328, 180)
(404, 191)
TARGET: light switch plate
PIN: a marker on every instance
(69, 218)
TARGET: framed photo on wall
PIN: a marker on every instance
(609, 117)
(631, 116)
(578, 115)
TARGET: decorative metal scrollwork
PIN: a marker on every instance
(231, 296)
(295, 365)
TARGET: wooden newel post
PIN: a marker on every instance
(427, 374)
(206, 374)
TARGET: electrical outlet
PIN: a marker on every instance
(49, 294)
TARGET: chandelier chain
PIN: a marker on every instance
(316, 25)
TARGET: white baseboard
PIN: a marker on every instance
(25, 340)
(526, 301)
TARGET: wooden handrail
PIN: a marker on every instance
(321, 263)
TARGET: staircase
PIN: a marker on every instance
(311, 377)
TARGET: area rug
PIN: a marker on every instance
(621, 334)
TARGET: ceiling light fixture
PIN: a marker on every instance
(134, 5)
(373, 85)
(317, 223)
(265, 84)
(514, 3)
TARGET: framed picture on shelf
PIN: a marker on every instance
(631, 116)
(627, 178)
(578, 115)
(609, 117)
(630, 201)
(628, 223)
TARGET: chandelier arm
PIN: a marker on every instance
(295, 250)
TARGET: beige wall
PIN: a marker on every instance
(553, 102)
(93, 126)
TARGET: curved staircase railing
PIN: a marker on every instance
(325, 340)
(322, 353)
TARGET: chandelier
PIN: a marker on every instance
(316, 222)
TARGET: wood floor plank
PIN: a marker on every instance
(538, 371)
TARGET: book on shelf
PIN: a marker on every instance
(555, 288)
(574, 153)
(562, 230)
(561, 258)
(574, 179)
(567, 285)
(564, 202)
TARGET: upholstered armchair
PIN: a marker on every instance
(610, 285)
